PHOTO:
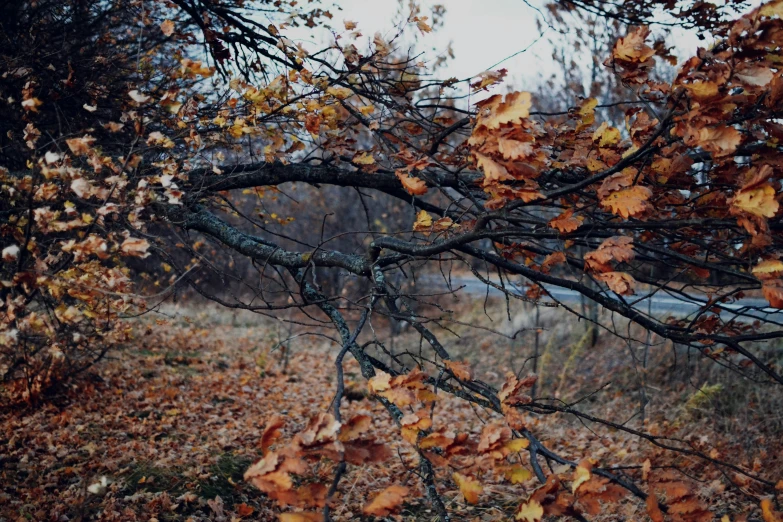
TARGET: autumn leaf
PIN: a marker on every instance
(497, 111)
(759, 201)
(514, 149)
(469, 487)
(138, 97)
(363, 158)
(619, 282)
(412, 185)
(773, 292)
(581, 475)
(628, 202)
(566, 222)
(81, 146)
(768, 267)
(301, 517)
(423, 221)
(517, 474)
(632, 48)
(167, 27)
(586, 113)
(653, 510)
(134, 247)
(461, 370)
(271, 432)
(721, 140)
(530, 511)
(387, 501)
(606, 135)
(493, 171)
(768, 513)
(355, 426)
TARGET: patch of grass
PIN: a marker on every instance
(147, 477)
(226, 480)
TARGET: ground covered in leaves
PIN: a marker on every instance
(165, 429)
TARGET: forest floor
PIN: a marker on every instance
(164, 430)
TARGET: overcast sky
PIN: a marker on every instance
(481, 32)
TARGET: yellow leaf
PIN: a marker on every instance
(517, 445)
(581, 475)
(423, 221)
(365, 158)
(768, 266)
(517, 474)
(606, 135)
(772, 9)
(530, 511)
(493, 112)
(586, 113)
(469, 487)
(759, 201)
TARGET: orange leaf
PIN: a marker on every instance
(653, 510)
(412, 185)
(619, 282)
(566, 222)
(628, 202)
(301, 517)
(386, 502)
(461, 370)
(469, 487)
(271, 432)
(167, 26)
(773, 292)
(493, 112)
(632, 48)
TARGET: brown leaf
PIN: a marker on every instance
(387, 501)
(461, 370)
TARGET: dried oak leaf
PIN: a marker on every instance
(460, 369)
(469, 487)
(412, 185)
(619, 282)
(387, 501)
(628, 202)
(566, 222)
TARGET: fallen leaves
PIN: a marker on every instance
(469, 487)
